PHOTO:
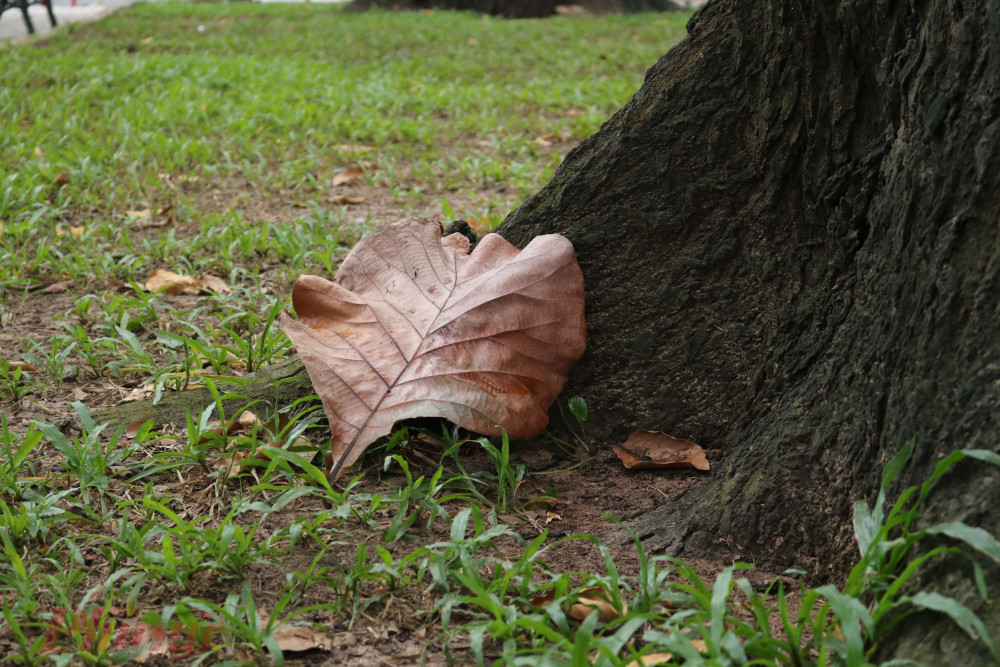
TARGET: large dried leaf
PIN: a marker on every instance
(653, 449)
(415, 326)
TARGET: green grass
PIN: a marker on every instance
(225, 123)
(202, 138)
(260, 105)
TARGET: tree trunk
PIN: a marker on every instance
(522, 9)
(791, 252)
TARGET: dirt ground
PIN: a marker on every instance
(399, 629)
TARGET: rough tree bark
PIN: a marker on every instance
(790, 242)
(521, 9)
(791, 249)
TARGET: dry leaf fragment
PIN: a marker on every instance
(210, 283)
(139, 393)
(23, 365)
(135, 215)
(61, 180)
(75, 232)
(248, 420)
(415, 326)
(651, 659)
(298, 638)
(133, 428)
(162, 280)
(352, 149)
(347, 176)
(590, 599)
(59, 287)
(653, 449)
(480, 225)
(351, 201)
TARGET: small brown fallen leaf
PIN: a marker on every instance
(146, 40)
(351, 201)
(510, 519)
(247, 421)
(545, 598)
(59, 287)
(545, 140)
(348, 176)
(162, 280)
(39, 153)
(352, 149)
(651, 659)
(23, 365)
(150, 223)
(133, 428)
(75, 232)
(135, 215)
(480, 225)
(212, 284)
(590, 599)
(61, 180)
(298, 638)
(139, 393)
(653, 449)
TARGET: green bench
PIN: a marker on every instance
(23, 6)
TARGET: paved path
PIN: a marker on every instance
(12, 23)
